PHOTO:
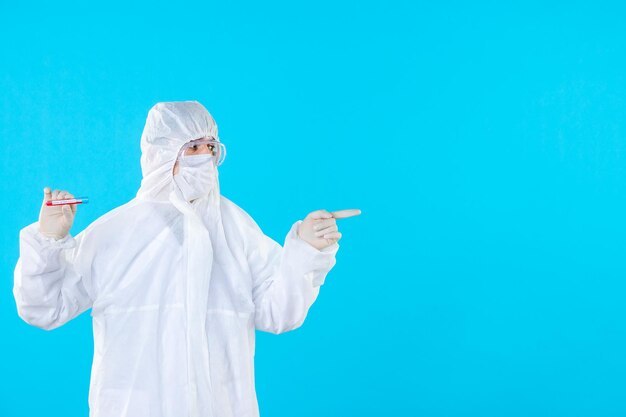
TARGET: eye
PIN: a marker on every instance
(194, 148)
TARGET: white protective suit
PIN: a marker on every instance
(176, 289)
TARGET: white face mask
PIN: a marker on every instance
(196, 176)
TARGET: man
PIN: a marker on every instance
(178, 279)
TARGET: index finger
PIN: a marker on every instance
(342, 214)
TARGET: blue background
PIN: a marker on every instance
(484, 143)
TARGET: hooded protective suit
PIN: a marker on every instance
(176, 288)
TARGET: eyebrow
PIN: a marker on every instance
(195, 140)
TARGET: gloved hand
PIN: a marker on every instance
(56, 221)
(319, 228)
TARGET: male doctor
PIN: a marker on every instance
(177, 279)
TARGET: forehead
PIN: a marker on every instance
(194, 142)
(201, 139)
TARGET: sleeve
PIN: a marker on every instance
(52, 280)
(286, 279)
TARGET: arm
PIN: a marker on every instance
(286, 280)
(51, 284)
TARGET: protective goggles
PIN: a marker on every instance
(204, 146)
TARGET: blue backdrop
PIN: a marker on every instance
(484, 143)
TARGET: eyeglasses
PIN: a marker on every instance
(204, 146)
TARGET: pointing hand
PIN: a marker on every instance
(319, 228)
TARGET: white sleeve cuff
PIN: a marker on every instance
(310, 261)
(66, 242)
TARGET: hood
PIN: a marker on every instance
(168, 127)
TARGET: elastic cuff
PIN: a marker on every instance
(65, 242)
(305, 254)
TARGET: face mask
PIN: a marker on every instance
(196, 176)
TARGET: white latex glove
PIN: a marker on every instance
(56, 221)
(319, 228)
